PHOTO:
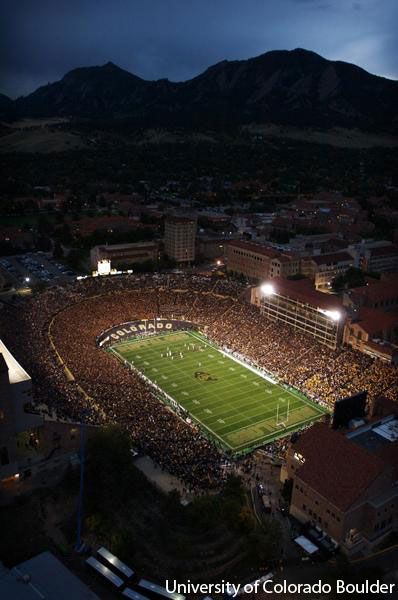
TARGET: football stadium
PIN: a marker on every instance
(195, 373)
(237, 404)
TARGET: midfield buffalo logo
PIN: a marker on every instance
(203, 376)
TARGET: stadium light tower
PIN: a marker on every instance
(267, 289)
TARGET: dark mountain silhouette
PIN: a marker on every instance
(295, 87)
(7, 106)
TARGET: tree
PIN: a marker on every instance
(58, 252)
(351, 278)
(109, 469)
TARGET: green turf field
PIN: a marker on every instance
(235, 405)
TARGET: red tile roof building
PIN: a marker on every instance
(323, 268)
(258, 262)
(345, 483)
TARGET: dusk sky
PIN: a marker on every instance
(40, 40)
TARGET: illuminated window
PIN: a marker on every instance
(299, 457)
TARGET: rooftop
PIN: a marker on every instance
(377, 291)
(374, 321)
(336, 467)
(391, 250)
(180, 219)
(257, 248)
(43, 576)
(132, 246)
(333, 258)
(16, 373)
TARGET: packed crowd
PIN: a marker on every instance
(54, 337)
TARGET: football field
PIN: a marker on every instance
(234, 403)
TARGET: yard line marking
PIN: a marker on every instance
(154, 369)
(255, 383)
(221, 421)
(164, 377)
(243, 375)
(185, 394)
(210, 355)
(174, 384)
(232, 368)
(207, 410)
(138, 356)
(196, 402)
(146, 362)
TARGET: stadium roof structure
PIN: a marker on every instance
(336, 467)
(16, 373)
(43, 576)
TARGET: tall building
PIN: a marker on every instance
(179, 238)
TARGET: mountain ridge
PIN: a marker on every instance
(292, 87)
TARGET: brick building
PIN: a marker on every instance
(259, 262)
(125, 254)
(323, 268)
(345, 483)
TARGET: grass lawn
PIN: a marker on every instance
(236, 405)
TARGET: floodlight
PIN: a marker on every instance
(335, 315)
(267, 289)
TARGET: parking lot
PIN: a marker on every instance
(25, 270)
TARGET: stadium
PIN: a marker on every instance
(192, 370)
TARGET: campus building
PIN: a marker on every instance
(259, 262)
(297, 304)
(323, 268)
(344, 483)
(17, 421)
(375, 256)
(125, 254)
(373, 326)
(179, 238)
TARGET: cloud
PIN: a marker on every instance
(42, 40)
